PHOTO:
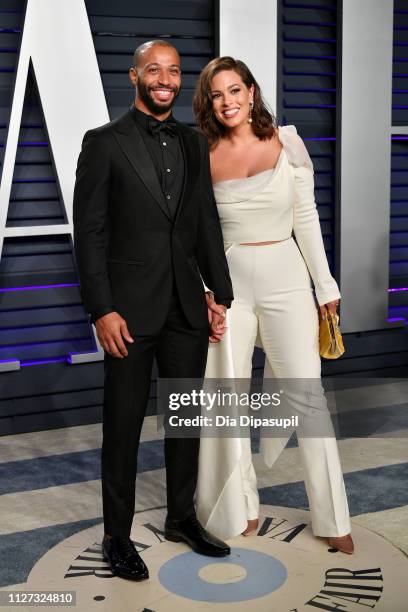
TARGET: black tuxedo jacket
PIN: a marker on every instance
(126, 244)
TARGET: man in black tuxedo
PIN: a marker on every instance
(146, 230)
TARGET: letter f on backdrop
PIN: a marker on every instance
(58, 41)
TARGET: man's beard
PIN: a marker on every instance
(158, 109)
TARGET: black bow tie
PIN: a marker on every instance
(155, 126)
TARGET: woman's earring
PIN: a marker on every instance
(251, 106)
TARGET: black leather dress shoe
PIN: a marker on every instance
(123, 558)
(192, 533)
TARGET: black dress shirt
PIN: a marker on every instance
(163, 143)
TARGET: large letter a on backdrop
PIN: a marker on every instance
(58, 41)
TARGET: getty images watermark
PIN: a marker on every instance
(212, 401)
(230, 407)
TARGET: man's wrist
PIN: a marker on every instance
(226, 303)
(97, 314)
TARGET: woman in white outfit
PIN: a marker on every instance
(264, 188)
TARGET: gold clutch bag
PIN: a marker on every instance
(330, 340)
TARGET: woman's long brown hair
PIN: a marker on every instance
(263, 122)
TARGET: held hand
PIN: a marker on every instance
(217, 327)
(331, 306)
(216, 318)
(213, 307)
(110, 328)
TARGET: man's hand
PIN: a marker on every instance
(110, 328)
(216, 318)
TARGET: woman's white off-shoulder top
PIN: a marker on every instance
(276, 203)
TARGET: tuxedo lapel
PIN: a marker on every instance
(131, 142)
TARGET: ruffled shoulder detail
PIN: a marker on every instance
(294, 147)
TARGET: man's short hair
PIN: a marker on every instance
(147, 45)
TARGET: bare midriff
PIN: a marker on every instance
(259, 243)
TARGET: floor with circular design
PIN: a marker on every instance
(283, 568)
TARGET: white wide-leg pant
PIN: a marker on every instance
(273, 297)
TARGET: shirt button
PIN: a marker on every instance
(168, 196)
(168, 169)
(164, 144)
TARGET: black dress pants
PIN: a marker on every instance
(181, 352)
